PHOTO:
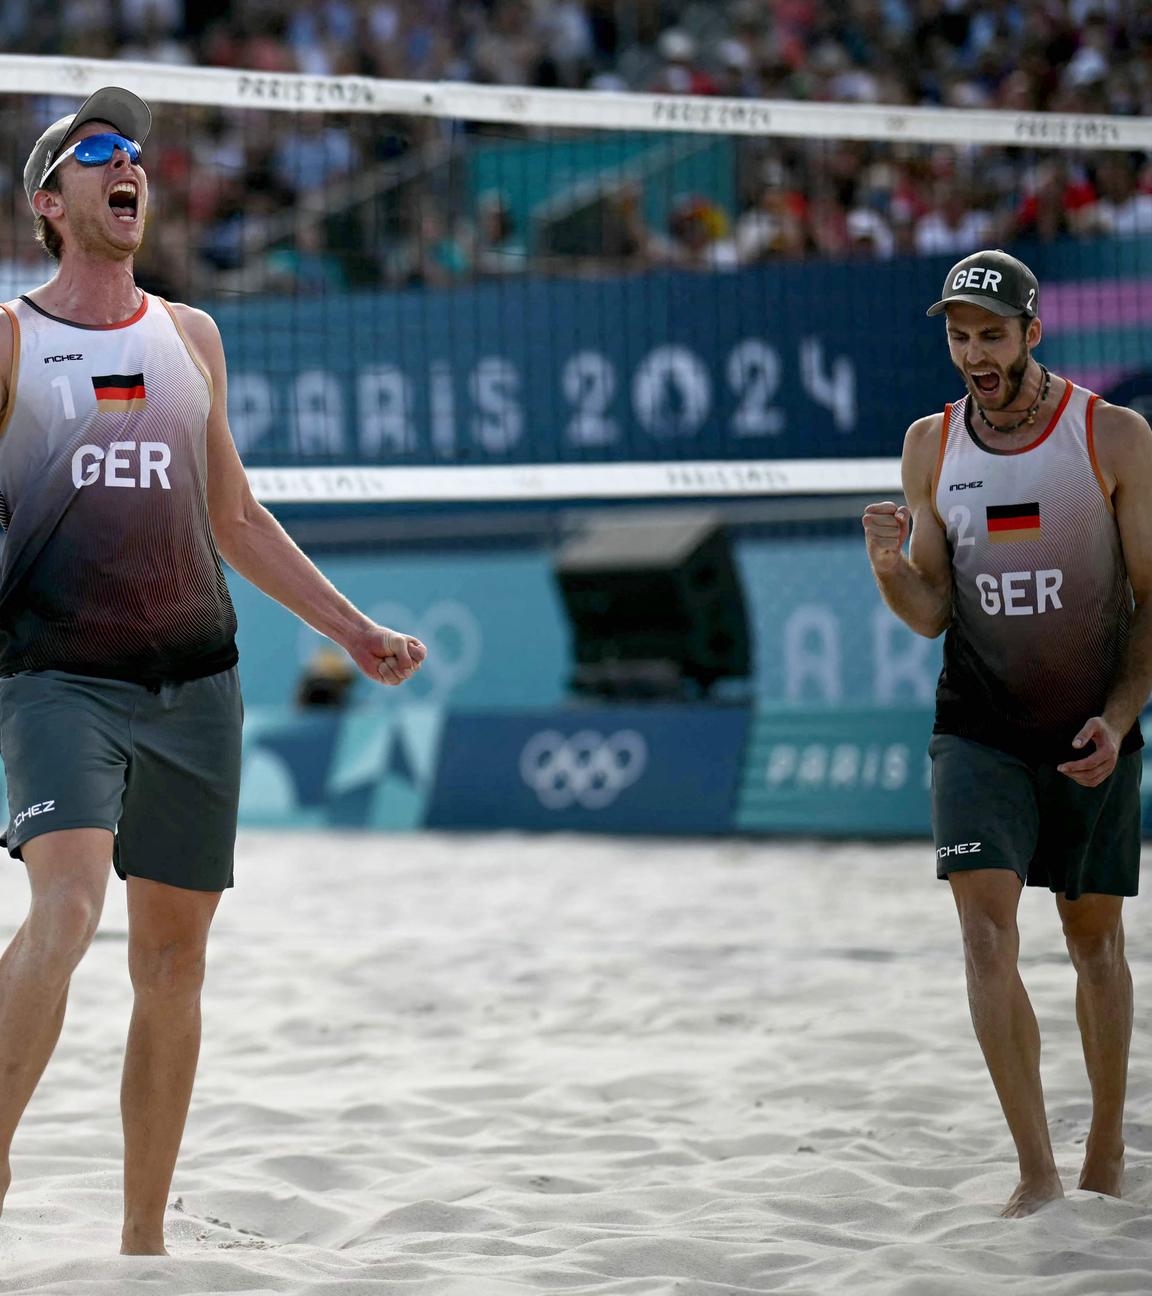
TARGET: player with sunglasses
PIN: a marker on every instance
(120, 713)
(94, 150)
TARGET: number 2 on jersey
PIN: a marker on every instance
(961, 519)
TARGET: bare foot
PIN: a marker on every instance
(138, 1246)
(5, 1180)
(1031, 1194)
(1103, 1174)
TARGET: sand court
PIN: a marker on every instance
(497, 1065)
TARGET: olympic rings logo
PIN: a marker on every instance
(585, 769)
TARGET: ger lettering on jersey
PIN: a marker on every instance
(109, 564)
(1041, 594)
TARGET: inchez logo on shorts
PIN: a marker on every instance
(120, 392)
(961, 848)
(41, 807)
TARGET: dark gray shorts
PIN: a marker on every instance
(160, 769)
(993, 810)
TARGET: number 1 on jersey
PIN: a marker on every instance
(65, 389)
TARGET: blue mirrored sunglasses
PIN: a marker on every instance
(95, 150)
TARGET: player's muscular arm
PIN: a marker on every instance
(254, 544)
(7, 344)
(1124, 453)
(916, 586)
(1124, 456)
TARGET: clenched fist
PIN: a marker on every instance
(386, 656)
(886, 527)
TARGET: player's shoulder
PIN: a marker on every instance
(1117, 421)
(201, 334)
(195, 322)
(918, 462)
(1120, 432)
(1121, 439)
(923, 436)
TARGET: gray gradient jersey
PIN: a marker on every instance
(109, 566)
(1042, 603)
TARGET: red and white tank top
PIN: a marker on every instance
(1041, 603)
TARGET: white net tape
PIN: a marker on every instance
(231, 88)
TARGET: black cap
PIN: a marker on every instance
(130, 115)
(994, 280)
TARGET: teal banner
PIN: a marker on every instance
(850, 772)
(338, 769)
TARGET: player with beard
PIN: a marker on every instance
(120, 714)
(1031, 545)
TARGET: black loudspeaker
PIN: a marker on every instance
(656, 607)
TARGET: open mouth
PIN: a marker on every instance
(123, 200)
(987, 383)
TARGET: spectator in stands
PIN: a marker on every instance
(499, 248)
(952, 226)
(697, 238)
(313, 156)
(306, 266)
(1059, 202)
(568, 43)
(679, 72)
(736, 77)
(625, 243)
(774, 225)
(434, 255)
(222, 237)
(1124, 207)
(869, 235)
(155, 38)
(827, 222)
(508, 49)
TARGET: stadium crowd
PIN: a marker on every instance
(308, 203)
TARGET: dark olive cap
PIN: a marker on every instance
(994, 280)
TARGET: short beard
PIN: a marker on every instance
(1014, 376)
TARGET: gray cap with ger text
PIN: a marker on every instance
(993, 280)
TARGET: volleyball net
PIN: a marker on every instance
(455, 292)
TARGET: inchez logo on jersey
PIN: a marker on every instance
(1013, 522)
(120, 392)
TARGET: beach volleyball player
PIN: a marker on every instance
(119, 705)
(1031, 545)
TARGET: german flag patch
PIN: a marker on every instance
(121, 392)
(1013, 522)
